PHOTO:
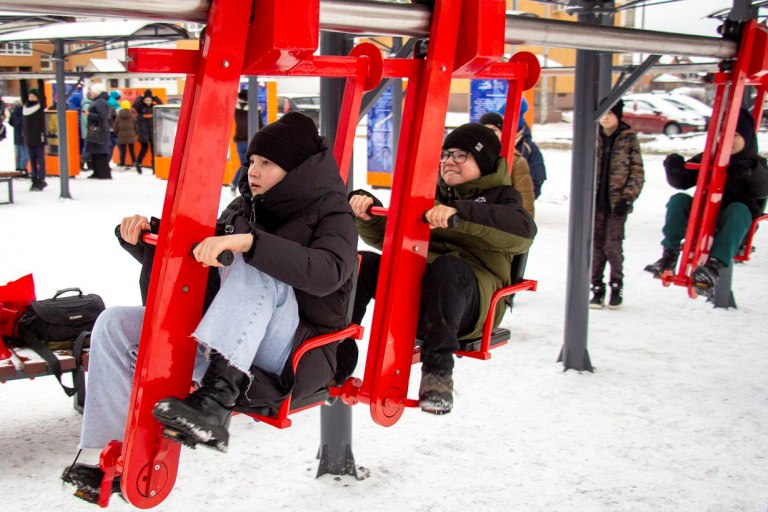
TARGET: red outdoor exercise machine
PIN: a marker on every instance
(750, 67)
(281, 41)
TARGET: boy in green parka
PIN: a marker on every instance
(467, 261)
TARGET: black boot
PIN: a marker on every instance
(35, 187)
(667, 261)
(705, 277)
(598, 296)
(616, 295)
(87, 479)
(436, 392)
(203, 417)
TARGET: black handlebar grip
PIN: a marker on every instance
(225, 258)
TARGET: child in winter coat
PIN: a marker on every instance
(466, 263)
(744, 198)
(620, 178)
(125, 128)
(295, 244)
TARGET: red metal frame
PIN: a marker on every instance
(466, 40)
(280, 420)
(750, 237)
(749, 68)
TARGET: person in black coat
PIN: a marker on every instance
(34, 132)
(97, 143)
(295, 243)
(144, 106)
(17, 122)
(744, 198)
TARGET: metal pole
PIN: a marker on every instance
(574, 355)
(335, 451)
(253, 106)
(382, 18)
(61, 112)
(397, 99)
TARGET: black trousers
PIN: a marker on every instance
(146, 146)
(121, 148)
(450, 304)
(101, 168)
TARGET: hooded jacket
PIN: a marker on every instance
(17, 121)
(532, 154)
(494, 228)
(98, 115)
(144, 115)
(304, 236)
(625, 168)
(125, 126)
(33, 127)
(746, 179)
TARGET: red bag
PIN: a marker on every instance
(15, 298)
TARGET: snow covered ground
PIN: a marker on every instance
(674, 419)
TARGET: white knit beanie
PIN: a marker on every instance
(97, 89)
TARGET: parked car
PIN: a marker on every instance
(306, 104)
(652, 114)
(689, 103)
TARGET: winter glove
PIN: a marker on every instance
(623, 207)
(674, 162)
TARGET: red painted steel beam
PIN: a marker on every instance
(174, 307)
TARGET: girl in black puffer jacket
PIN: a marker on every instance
(295, 243)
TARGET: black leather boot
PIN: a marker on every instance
(203, 417)
(667, 261)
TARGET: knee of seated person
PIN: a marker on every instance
(112, 320)
(447, 271)
(679, 199)
(740, 211)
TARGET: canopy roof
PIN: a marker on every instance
(100, 30)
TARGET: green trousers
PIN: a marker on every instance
(733, 224)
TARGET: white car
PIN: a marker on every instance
(677, 121)
(685, 102)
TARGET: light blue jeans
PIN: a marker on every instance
(251, 321)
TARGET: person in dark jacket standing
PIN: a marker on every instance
(744, 198)
(33, 130)
(466, 263)
(144, 106)
(295, 244)
(17, 122)
(125, 128)
(620, 178)
(97, 142)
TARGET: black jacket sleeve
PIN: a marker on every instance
(683, 179)
(320, 269)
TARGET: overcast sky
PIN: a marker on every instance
(685, 16)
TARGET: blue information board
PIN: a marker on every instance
(486, 96)
(380, 137)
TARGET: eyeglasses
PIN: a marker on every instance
(458, 156)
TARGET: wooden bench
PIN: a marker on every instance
(25, 363)
(7, 177)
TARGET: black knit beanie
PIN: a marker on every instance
(493, 118)
(618, 109)
(480, 141)
(287, 142)
(745, 126)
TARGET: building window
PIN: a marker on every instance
(45, 63)
(17, 48)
